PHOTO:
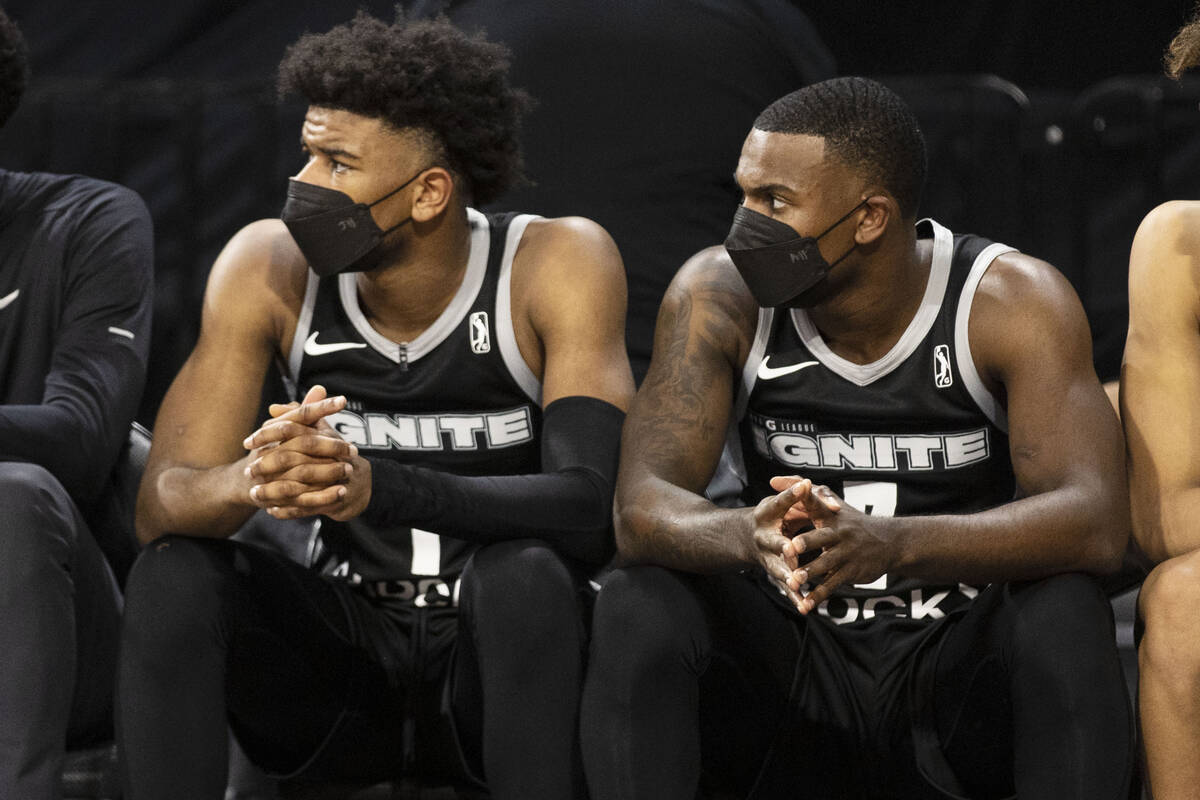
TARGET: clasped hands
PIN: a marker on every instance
(299, 466)
(852, 547)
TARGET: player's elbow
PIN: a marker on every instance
(147, 525)
(151, 519)
(1109, 531)
(1106, 553)
(632, 526)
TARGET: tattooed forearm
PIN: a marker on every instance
(677, 425)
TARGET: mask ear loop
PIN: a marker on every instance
(842, 257)
(843, 218)
(392, 192)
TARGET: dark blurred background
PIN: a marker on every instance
(1048, 125)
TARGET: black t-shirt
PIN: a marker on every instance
(915, 432)
(76, 290)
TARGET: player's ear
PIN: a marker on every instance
(434, 188)
(881, 209)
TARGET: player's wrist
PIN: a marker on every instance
(358, 486)
(749, 552)
(897, 533)
(240, 483)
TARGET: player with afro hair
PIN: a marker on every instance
(424, 75)
(456, 387)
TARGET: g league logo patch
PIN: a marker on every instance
(481, 337)
(943, 376)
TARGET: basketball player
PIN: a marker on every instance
(1159, 375)
(462, 460)
(76, 290)
(922, 470)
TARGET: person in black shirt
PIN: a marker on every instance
(886, 417)
(459, 384)
(75, 300)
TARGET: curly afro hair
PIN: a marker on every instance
(426, 75)
(14, 67)
(865, 125)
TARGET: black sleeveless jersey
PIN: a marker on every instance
(458, 398)
(915, 432)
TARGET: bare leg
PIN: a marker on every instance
(1169, 677)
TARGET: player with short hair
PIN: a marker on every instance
(1159, 374)
(860, 491)
(76, 292)
(463, 381)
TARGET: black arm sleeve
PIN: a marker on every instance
(98, 363)
(568, 504)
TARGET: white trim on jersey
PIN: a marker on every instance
(303, 323)
(987, 402)
(762, 335)
(506, 336)
(910, 340)
(447, 321)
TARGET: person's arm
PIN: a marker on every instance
(569, 306)
(1031, 343)
(98, 366)
(1160, 381)
(677, 428)
(195, 481)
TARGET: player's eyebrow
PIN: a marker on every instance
(331, 152)
(766, 188)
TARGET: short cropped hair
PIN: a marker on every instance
(865, 125)
(425, 75)
(14, 67)
(1183, 52)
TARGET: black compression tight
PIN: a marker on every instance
(688, 671)
(218, 633)
(1029, 696)
(520, 662)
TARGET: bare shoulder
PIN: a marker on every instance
(259, 276)
(566, 275)
(1018, 288)
(574, 247)
(262, 253)
(710, 284)
(1016, 280)
(711, 272)
(1025, 309)
(1164, 262)
(1174, 225)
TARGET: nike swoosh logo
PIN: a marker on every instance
(313, 349)
(7, 299)
(766, 373)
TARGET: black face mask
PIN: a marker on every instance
(334, 233)
(777, 263)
